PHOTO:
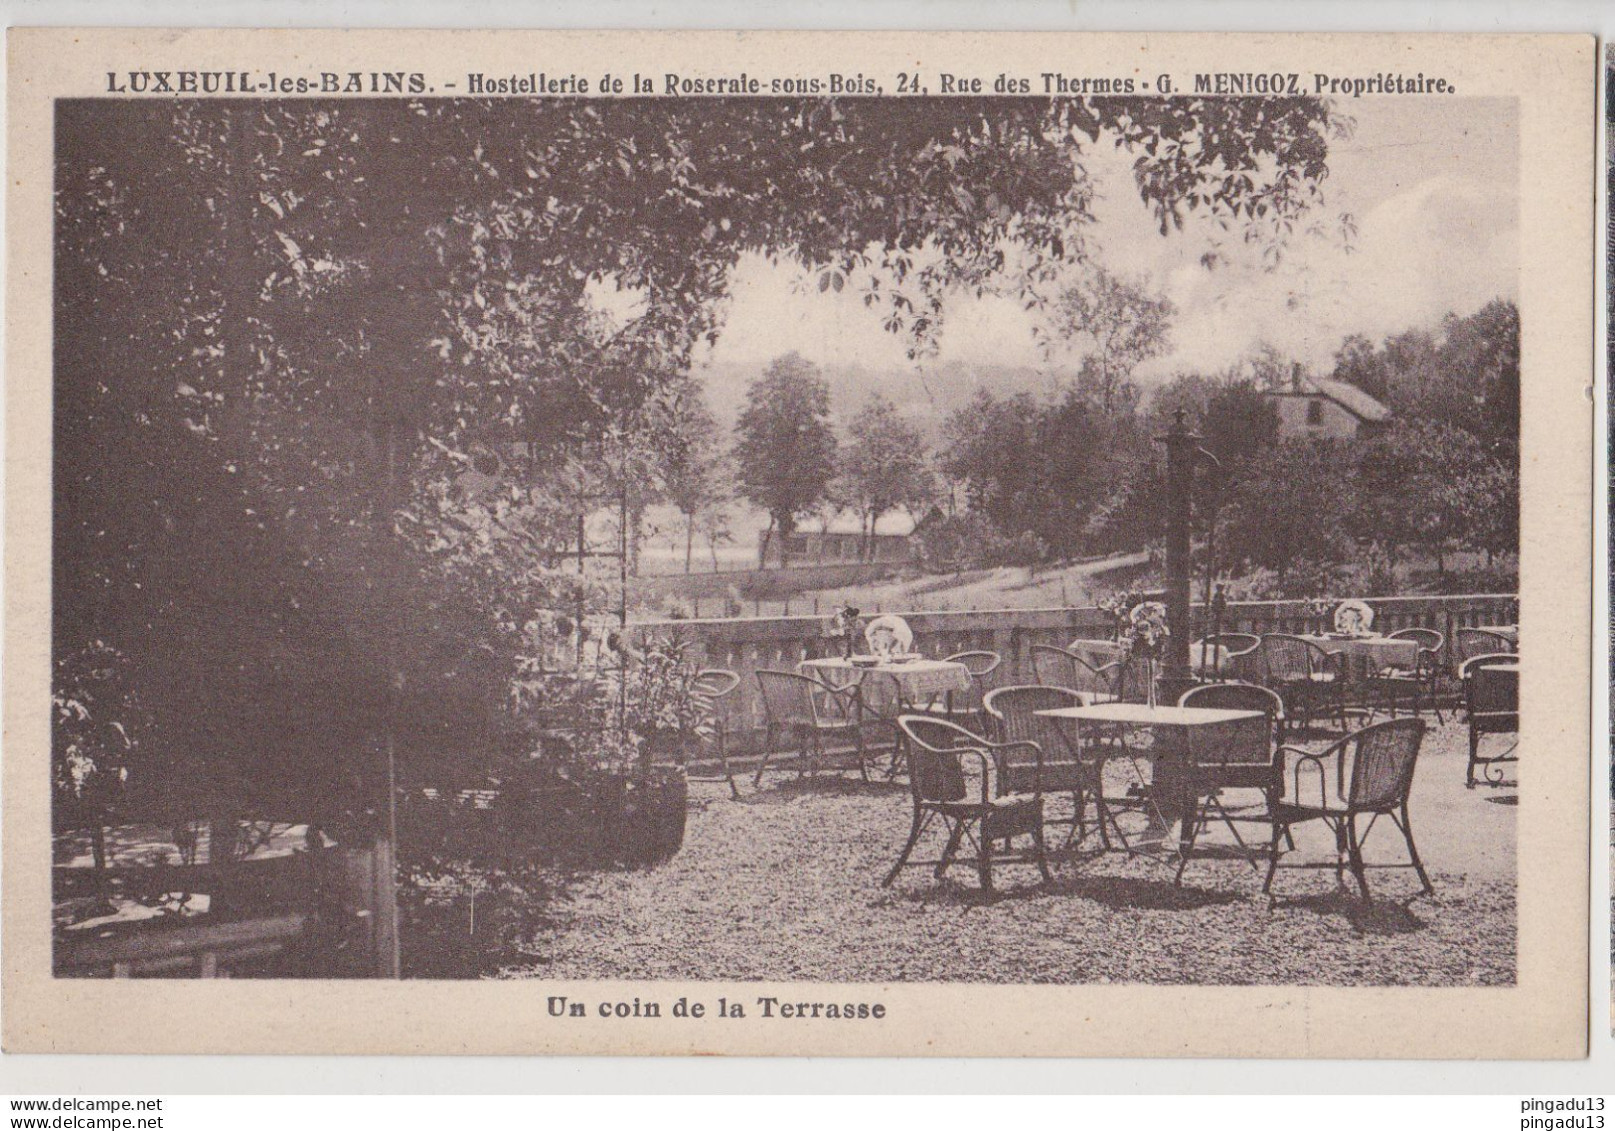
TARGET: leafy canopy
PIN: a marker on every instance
(785, 447)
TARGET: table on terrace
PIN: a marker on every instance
(1187, 746)
(1365, 656)
(919, 681)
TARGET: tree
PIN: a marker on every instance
(1239, 423)
(1492, 503)
(1426, 484)
(1438, 499)
(1123, 323)
(785, 447)
(692, 462)
(1235, 418)
(1481, 356)
(1039, 467)
(1270, 370)
(1291, 508)
(886, 466)
(1358, 363)
(713, 521)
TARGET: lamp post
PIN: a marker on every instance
(1182, 445)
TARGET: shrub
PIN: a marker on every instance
(972, 541)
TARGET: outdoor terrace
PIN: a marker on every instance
(784, 884)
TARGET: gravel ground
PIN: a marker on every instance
(785, 885)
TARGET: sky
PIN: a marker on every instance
(1433, 185)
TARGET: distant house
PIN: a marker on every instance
(1323, 408)
(840, 541)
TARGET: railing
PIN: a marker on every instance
(745, 645)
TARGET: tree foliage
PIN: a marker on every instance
(887, 465)
(285, 327)
(1466, 373)
(693, 462)
(785, 447)
(1292, 507)
(1122, 323)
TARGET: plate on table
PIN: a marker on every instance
(865, 661)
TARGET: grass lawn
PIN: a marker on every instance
(784, 884)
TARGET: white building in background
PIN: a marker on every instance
(1323, 408)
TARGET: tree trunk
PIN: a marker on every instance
(786, 528)
(768, 540)
(633, 535)
(689, 539)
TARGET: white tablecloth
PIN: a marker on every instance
(920, 680)
(1366, 655)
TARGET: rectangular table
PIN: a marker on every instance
(1162, 716)
(1182, 739)
(1367, 655)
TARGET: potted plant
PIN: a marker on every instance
(662, 714)
(663, 704)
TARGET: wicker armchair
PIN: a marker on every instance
(967, 707)
(1245, 759)
(1372, 777)
(1492, 701)
(1309, 679)
(957, 778)
(1058, 667)
(717, 685)
(1419, 683)
(1471, 642)
(811, 711)
(1060, 769)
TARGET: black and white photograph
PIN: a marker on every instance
(936, 527)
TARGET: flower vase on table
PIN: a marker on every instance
(1145, 636)
(1318, 610)
(844, 627)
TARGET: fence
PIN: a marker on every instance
(747, 644)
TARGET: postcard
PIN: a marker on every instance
(798, 543)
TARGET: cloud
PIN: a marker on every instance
(1432, 248)
(1436, 205)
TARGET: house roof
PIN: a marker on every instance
(1346, 395)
